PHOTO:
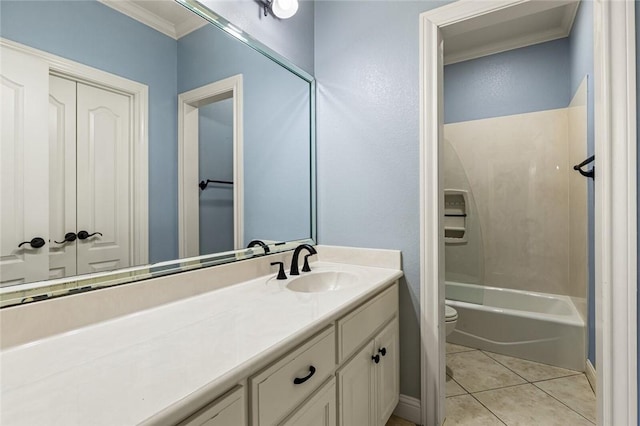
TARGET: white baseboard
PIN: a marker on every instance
(591, 375)
(408, 408)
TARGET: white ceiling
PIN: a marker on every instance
(524, 25)
(165, 16)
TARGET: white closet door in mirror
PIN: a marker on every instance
(24, 167)
(62, 176)
(103, 179)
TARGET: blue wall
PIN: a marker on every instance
(95, 35)
(533, 78)
(276, 121)
(368, 142)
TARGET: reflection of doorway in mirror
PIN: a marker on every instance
(215, 158)
(73, 168)
(210, 152)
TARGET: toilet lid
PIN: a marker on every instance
(450, 314)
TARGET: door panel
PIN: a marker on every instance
(320, 410)
(62, 176)
(356, 390)
(388, 377)
(104, 177)
(24, 166)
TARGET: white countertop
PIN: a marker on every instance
(126, 370)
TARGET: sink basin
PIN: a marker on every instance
(322, 281)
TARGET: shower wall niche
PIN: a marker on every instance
(455, 216)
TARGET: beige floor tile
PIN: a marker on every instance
(531, 371)
(573, 391)
(399, 421)
(465, 410)
(454, 389)
(451, 348)
(475, 372)
(526, 405)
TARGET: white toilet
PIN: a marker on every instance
(450, 319)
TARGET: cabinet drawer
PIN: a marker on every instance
(275, 392)
(228, 410)
(358, 326)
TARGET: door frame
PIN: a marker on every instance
(138, 94)
(188, 190)
(615, 206)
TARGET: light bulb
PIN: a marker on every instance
(284, 9)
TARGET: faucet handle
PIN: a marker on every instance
(305, 267)
(281, 274)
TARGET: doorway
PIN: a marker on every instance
(211, 217)
(615, 189)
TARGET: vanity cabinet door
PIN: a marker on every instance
(319, 410)
(225, 411)
(387, 371)
(356, 390)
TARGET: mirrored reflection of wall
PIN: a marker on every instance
(83, 31)
(276, 110)
(276, 119)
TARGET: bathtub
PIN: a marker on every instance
(540, 327)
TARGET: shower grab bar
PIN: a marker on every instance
(586, 173)
(203, 184)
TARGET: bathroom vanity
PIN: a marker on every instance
(319, 348)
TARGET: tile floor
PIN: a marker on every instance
(484, 388)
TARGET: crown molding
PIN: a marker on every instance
(150, 19)
(561, 31)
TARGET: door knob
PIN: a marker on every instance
(83, 235)
(68, 238)
(382, 351)
(36, 242)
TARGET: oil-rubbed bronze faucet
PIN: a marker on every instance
(296, 254)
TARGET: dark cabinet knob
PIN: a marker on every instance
(376, 358)
(36, 243)
(69, 237)
(382, 351)
(83, 235)
(300, 380)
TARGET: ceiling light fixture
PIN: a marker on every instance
(282, 9)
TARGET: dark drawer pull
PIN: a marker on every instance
(376, 358)
(382, 351)
(299, 381)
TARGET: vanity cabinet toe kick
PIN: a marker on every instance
(347, 374)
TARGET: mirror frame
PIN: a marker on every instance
(45, 290)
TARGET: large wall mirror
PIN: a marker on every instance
(138, 139)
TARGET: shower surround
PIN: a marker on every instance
(526, 234)
(528, 207)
